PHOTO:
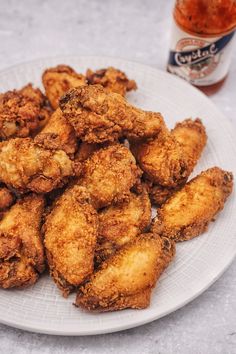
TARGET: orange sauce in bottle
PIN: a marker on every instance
(201, 41)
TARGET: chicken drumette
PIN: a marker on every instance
(99, 116)
(25, 166)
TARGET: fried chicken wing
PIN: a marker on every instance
(121, 223)
(169, 159)
(26, 166)
(109, 174)
(58, 134)
(191, 135)
(113, 80)
(163, 160)
(189, 211)
(21, 248)
(37, 96)
(58, 80)
(21, 112)
(70, 238)
(6, 198)
(98, 116)
(127, 276)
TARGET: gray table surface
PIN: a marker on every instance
(135, 30)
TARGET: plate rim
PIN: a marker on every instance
(140, 322)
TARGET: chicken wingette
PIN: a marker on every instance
(189, 211)
(125, 280)
(70, 235)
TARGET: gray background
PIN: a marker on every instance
(135, 30)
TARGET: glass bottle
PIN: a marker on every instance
(201, 43)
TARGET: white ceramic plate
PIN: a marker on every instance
(198, 263)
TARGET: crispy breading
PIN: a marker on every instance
(159, 194)
(6, 198)
(163, 160)
(57, 134)
(113, 80)
(98, 116)
(109, 174)
(70, 238)
(21, 248)
(121, 223)
(138, 301)
(21, 112)
(191, 134)
(169, 159)
(26, 166)
(133, 270)
(85, 150)
(189, 211)
(37, 96)
(58, 80)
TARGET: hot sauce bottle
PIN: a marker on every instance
(201, 43)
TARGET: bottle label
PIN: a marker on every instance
(202, 61)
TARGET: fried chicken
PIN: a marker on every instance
(6, 198)
(113, 80)
(109, 174)
(125, 279)
(38, 97)
(191, 135)
(121, 223)
(58, 80)
(159, 194)
(26, 166)
(70, 238)
(58, 134)
(98, 116)
(21, 249)
(163, 160)
(85, 150)
(189, 211)
(21, 112)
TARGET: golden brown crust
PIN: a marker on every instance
(6, 198)
(37, 96)
(58, 80)
(85, 150)
(109, 174)
(121, 223)
(189, 211)
(98, 116)
(21, 112)
(26, 166)
(70, 238)
(21, 249)
(133, 270)
(138, 301)
(58, 134)
(159, 194)
(191, 139)
(113, 80)
(163, 160)
(191, 135)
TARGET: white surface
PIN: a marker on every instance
(197, 263)
(135, 30)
